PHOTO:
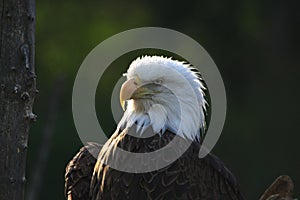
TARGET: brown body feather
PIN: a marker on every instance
(189, 177)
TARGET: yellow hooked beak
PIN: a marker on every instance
(132, 89)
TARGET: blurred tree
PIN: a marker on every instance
(17, 92)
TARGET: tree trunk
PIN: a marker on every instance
(17, 92)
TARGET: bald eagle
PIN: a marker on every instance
(164, 101)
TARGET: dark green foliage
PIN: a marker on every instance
(254, 44)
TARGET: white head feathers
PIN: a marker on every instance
(176, 101)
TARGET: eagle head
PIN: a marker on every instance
(165, 94)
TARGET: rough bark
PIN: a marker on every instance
(17, 92)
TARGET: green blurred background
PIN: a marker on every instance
(254, 43)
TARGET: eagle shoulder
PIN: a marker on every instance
(79, 172)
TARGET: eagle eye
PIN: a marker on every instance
(158, 81)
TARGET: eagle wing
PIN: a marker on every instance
(281, 189)
(79, 172)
